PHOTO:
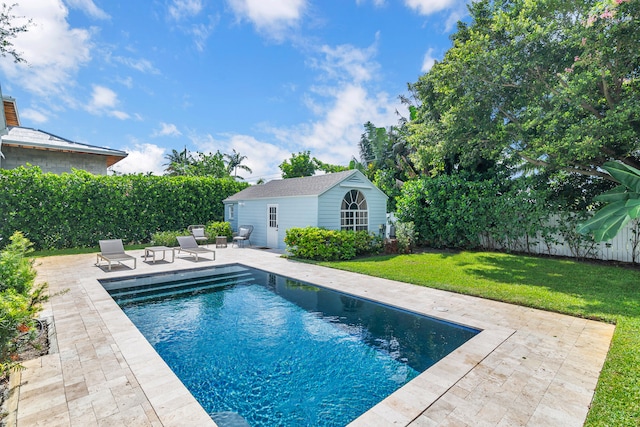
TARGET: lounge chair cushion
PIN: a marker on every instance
(243, 232)
(198, 232)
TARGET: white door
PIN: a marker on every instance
(272, 226)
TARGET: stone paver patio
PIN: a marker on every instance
(526, 368)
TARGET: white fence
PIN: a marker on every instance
(620, 248)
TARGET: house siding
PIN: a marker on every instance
(292, 212)
(331, 202)
(252, 212)
(295, 212)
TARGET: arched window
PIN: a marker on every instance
(353, 213)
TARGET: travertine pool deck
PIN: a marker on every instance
(526, 368)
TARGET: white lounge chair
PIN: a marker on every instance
(113, 251)
(190, 246)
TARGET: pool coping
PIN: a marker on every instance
(526, 367)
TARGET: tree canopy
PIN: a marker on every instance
(550, 84)
(303, 164)
(217, 165)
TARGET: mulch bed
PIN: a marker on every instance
(33, 350)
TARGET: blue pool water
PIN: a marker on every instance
(277, 351)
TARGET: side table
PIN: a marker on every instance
(221, 241)
(151, 251)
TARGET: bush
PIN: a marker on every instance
(218, 228)
(212, 230)
(167, 238)
(450, 211)
(405, 232)
(367, 243)
(77, 209)
(329, 245)
(20, 300)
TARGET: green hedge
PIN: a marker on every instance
(330, 245)
(212, 230)
(450, 211)
(77, 209)
(20, 301)
(218, 228)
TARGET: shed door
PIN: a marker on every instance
(272, 226)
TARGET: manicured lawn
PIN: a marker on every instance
(76, 251)
(601, 292)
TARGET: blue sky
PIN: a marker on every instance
(264, 77)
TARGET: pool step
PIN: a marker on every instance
(178, 287)
(229, 419)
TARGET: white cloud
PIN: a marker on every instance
(102, 98)
(88, 7)
(103, 101)
(180, 9)
(427, 7)
(334, 137)
(126, 81)
(184, 12)
(347, 99)
(142, 158)
(272, 17)
(34, 115)
(119, 114)
(201, 33)
(456, 9)
(142, 65)
(455, 16)
(167, 129)
(54, 51)
(348, 62)
(262, 157)
(428, 61)
(376, 3)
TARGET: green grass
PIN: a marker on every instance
(594, 291)
(76, 251)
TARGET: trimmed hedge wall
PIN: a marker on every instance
(77, 209)
(330, 245)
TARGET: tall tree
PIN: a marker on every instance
(211, 164)
(234, 162)
(385, 158)
(303, 164)
(178, 162)
(553, 84)
(299, 165)
(328, 167)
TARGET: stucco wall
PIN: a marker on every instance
(52, 161)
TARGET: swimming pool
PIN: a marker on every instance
(278, 351)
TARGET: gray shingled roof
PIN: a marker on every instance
(306, 186)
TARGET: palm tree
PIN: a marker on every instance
(178, 162)
(234, 161)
